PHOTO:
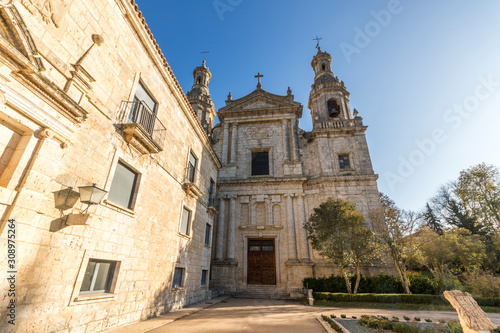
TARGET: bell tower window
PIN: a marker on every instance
(333, 108)
(323, 67)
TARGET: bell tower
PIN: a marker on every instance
(329, 99)
(200, 99)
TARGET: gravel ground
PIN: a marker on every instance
(353, 326)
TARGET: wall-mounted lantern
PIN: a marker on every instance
(90, 195)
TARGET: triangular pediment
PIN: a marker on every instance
(258, 105)
(260, 100)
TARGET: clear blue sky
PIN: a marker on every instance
(423, 77)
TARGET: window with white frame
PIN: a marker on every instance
(123, 186)
(178, 278)
(185, 221)
(98, 277)
(191, 169)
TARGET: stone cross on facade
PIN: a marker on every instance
(258, 76)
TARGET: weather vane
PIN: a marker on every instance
(205, 54)
(317, 39)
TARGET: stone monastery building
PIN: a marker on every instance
(88, 103)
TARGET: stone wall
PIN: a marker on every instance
(60, 128)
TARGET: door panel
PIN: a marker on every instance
(261, 261)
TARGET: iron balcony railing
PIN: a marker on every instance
(137, 112)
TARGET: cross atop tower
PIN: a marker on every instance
(317, 39)
(205, 54)
(258, 76)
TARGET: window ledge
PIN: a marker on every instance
(178, 290)
(118, 208)
(94, 297)
(184, 235)
(192, 189)
(207, 246)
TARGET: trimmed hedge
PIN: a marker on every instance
(398, 298)
(379, 284)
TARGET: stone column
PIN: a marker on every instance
(292, 244)
(302, 232)
(286, 150)
(219, 248)
(231, 228)
(234, 142)
(293, 133)
(253, 213)
(269, 208)
(225, 144)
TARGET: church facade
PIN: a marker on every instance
(88, 102)
(274, 174)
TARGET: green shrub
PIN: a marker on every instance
(417, 318)
(454, 327)
(343, 316)
(354, 317)
(398, 298)
(428, 320)
(332, 324)
(406, 318)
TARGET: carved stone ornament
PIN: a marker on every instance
(50, 10)
(5, 3)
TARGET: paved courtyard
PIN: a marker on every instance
(236, 315)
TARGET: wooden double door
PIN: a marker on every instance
(261, 261)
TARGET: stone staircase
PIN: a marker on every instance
(261, 291)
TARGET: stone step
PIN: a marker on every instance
(261, 293)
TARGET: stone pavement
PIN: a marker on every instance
(236, 315)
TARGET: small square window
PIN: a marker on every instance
(208, 230)
(98, 277)
(204, 275)
(178, 276)
(185, 221)
(260, 163)
(123, 186)
(191, 170)
(344, 162)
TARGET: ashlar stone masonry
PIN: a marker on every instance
(274, 174)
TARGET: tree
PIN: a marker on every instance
(478, 189)
(455, 252)
(364, 250)
(337, 231)
(432, 220)
(447, 208)
(397, 229)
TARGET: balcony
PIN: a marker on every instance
(141, 128)
(213, 203)
(339, 123)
